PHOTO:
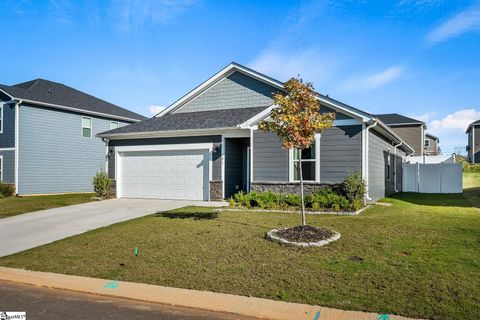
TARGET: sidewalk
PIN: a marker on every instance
(205, 300)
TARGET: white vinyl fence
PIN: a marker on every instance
(433, 178)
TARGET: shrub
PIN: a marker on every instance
(328, 199)
(293, 200)
(354, 187)
(7, 190)
(231, 202)
(102, 184)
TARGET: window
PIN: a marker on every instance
(1, 168)
(389, 167)
(113, 125)
(1, 119)
(309, 162)
(427, 143)
(86, 127)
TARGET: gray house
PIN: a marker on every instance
(432, 147)
(47, 136)
(207, 146)
(473, 147)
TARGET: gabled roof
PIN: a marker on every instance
(476, 123)
(54, 94)
(432, 136)
(395, 119)
(199, 120)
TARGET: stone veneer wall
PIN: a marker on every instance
(216, 190)
(293, 187)
(113, 189)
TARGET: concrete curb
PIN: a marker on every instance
(205, 300)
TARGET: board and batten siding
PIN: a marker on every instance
(379, 185)
(340, 153)
(270, 161)
(216, 155)
(232, 92)
(7, 137)
(53, 155)
(8, 165)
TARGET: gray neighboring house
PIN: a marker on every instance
(207, 146)
(432, 143)
(47, 136)
(473, 147)
(410, 130)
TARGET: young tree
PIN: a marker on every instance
(296, 120)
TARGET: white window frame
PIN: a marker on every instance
(389, 166)
(116, 123)
(317, 162)
(91, 128)
(1, 118)
(426, 143)
(1, 168)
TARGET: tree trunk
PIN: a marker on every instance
(301, 188)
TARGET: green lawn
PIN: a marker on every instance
(418, 258)
(17, 205)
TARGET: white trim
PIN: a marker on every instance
(364, 153)
(106, 156)
(7, 149)
(166, 147)
(93, 113)
(17, 145)
(222, 163)
(169, 133)
(251, 156)
(367, 140)
(91, 127)
(291, 173)
(116, 122)
(317, 157)
(1, 118)
(232, 67)
(248, 168)
(357, 114)
(256, 118)
(422, 141)
(6, 93)
(290, 165)
(473, 144)
(118, 176)
(1, 168)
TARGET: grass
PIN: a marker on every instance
(419, 257)
(17, 205)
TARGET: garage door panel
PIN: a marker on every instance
(165, 174)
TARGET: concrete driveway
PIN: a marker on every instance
(30, 230)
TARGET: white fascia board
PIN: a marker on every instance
(231, 68)
(6, 93)
(395, 137)
(258, 117)
(7, 149)
(166, 147)
(353, 113)
(171, 133)
(93, 113)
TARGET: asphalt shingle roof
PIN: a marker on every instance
(45, 91)
(214, 119)
(396, 119)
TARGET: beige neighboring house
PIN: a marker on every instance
(432, 147)
(412, 131)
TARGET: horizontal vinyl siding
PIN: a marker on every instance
(379, 185)
(216, 156)
(235, 91)
(412, 135)
(340, 153)
(270, 161)
(8, 166)
(53, 155)
(7, 138)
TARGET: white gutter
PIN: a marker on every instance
(395, 166)
(17, 122)
(367, 129)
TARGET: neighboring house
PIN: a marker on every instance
(473, 147)
(207, 146)
(412, 131)
(432, 147)
(47, 136)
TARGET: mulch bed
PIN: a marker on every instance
(305, 234)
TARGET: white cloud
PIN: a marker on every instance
(375, 80)
(459, 120)
(465, 21)
(310, 64)
(154, 109)
(132, 14)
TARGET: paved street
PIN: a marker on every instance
(30, 230)
(51, 304)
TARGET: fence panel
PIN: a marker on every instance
(433, 178)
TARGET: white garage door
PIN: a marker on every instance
(179, 174)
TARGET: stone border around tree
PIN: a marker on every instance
(338, 213)
(271, 235)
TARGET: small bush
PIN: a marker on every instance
(231, 202)
(102, 184)
(354, 187)
(6, 190)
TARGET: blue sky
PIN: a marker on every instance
(416, 57)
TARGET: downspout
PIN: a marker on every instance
(395, 166)
(107, 155)
(366, 158)
(17, 121)
(473, 144)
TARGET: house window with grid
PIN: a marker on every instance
(86, 127)
(309, 163)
